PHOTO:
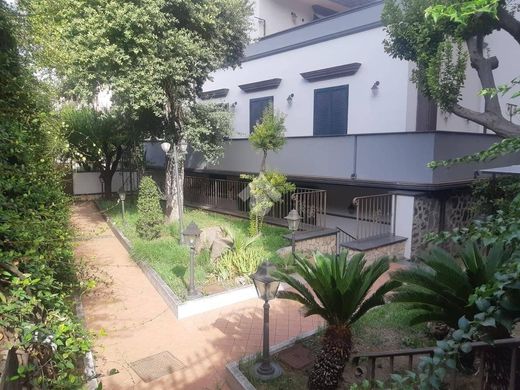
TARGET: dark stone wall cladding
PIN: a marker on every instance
(427, 216)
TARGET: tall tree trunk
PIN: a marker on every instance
(331, 360)
(174, 195)
(107, 176)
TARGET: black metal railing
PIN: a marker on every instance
(232, 196)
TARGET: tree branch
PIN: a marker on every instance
(484, 67)
(501, 126)
(509, 23)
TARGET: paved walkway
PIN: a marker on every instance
(131, 321)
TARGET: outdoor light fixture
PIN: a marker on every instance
(122, 197)
(266, 288)
(191, 236)
(183, 146)
(165, 146)
(290, 98)
(233, 105)
(375, 86)
(511, 110)
(293, 222)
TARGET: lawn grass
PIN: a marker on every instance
(170, 259)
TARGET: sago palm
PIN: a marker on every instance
(438, 288)
(338, 290)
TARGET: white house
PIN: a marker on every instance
(356, 125)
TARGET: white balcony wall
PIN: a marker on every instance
(368, 112)
(280, 15)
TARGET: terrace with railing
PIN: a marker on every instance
(233, 197)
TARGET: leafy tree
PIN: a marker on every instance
(438, 288)
(149, 213)
(339, 293)
(152, 54)
(268, 134)
(440, 37)
(98, 139)
(266, 190)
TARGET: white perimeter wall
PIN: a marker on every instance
(84, 183)
(385, 111)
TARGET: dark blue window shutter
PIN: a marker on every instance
(331, 111)
(256, 109)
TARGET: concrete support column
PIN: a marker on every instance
(403, 219)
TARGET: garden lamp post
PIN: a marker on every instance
(166, 146)
(293, 222)
(191, 235)
(122, 197)
(266, 288)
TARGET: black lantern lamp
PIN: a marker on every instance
(266, 288)
(293, 222)
(191, 235)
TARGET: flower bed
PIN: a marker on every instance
(170, 260)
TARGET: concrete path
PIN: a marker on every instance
(131, 321)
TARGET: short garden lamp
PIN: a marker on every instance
(266, 288)
(293, 222)
(122, 197)
(191, 235)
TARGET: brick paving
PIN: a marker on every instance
(131, 321)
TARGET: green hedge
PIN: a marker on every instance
(37, 275)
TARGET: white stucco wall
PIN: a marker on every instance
(385, 111)
(84, 183)
(404, 210)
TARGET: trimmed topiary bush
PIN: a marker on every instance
(149, 213)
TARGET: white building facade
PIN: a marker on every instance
(356, 125)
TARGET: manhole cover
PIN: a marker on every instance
(155, 366)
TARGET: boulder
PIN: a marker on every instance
(218, 247)
(207, 236)
(285, 251)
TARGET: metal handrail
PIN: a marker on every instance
(477, 346)
(346, 233)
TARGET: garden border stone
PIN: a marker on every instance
(236, 380)
(88, 359)
(179, 308)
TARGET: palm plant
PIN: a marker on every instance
(438, 289)
(339, 292)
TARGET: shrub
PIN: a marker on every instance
(149, 213)
(37, 275)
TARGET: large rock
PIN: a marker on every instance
(285, 251)
(218, 247)
(207, 236)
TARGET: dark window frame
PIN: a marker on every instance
(252, 123)
(316, 124)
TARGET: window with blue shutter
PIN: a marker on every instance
(331, 110)
(256, 109)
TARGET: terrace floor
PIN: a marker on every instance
(131, 321)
